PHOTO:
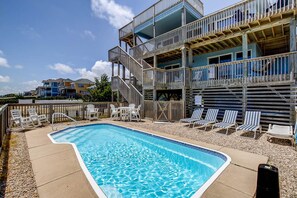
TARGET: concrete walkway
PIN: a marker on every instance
(58, 173)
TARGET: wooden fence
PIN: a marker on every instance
(4, 124)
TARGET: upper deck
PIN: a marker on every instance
(232, 20)
(158, 11)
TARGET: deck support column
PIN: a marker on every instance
(184, 66)
(112, 75)
(154, 88)
(189, 77)
(184, 22)
(245, 73)
(293, 66)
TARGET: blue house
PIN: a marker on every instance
(242, 57)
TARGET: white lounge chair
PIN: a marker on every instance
(251, 122)
(281, 132)
(114, 114)
(135, 114)
(132, 106)
(37, 118)
(92, 112)
(210, 118)
(18, 120)
(229, 121)
(196, 116)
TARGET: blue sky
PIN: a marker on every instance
(42, 39)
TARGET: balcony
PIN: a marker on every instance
(269, 69)
(229, 18)
(155, 10)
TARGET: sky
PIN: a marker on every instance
(42, 39)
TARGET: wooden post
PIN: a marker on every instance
(184, 65)
(51, 111)
(293, 65)
(184, 22)
(112, 69)
(245, 73)
(154, 88)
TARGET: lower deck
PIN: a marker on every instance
(275, 101)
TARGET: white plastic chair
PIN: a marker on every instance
(37, 118)
(18, 120)
(92, 112)
(114, 114)
(135, 114)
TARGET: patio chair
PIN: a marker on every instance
(210, 118)
(135, 114)
(18, 120)
(281, 132)
(92, 112)
(37, 118)
(251, 122)
(196, 116)
(229, 121)
(114, 112)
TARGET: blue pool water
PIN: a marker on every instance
(127, 163)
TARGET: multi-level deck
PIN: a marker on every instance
(242, 57)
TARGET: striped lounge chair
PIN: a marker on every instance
(251, 122)
(210, 118)
(196, 115)
(229, 121)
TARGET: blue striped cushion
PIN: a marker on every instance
(211, 114)
(230, 117)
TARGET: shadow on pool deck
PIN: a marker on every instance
(58, 173)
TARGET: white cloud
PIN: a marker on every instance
(62, 68)
(99, 68)
(19, 66)
(32, 84)
(4, 79)
(89, 34)
(30, 32)
(3, 62)
(117, 15)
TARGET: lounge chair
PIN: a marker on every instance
(37, 118)
(92, 112)
(196, 116)
(251, 122)
(210, 118)
(281, 132)
(114, 112)
(18, 120)
(229, 121)
(135, 114)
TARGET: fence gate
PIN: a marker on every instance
(169, 110)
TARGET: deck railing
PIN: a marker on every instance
(4, 124)
(119, 84)
(135, 96)
(276, 68)
(118, 54)
(156, 9)
(233, 16)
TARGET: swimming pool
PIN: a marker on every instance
(128, 163)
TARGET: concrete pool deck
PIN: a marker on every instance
(58, 173)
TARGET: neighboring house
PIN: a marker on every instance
(65, 88)
(50, 88)
(81, 86)
(242, 57)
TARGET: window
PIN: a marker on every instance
(80, 85)
(215, 72)
(239, 55)
(171, 67)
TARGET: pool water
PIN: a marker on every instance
(128, 163)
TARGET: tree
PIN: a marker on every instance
(101, 91)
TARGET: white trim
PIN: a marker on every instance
(218, 56)
(98, 190)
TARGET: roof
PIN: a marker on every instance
(84, 81)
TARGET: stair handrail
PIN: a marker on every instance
(61, 114)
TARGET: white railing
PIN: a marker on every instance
(118, 54)
(233, 16)
(276, 68)
(55, 127)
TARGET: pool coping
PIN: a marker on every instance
(40, 141)
(97, 188)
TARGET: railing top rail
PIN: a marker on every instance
(126, 54)
(43, 104)
(135, 89)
